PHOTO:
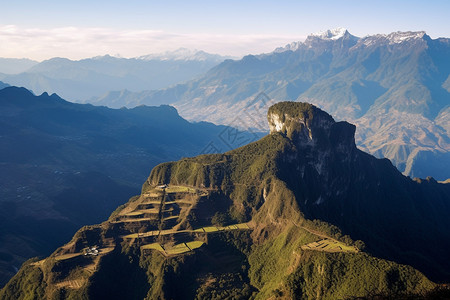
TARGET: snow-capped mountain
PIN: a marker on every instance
(394, 38)
(336, 34)
(326, 36)
(333, 34)
(289, 47)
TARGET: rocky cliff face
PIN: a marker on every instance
(307, 125)
(367, 197)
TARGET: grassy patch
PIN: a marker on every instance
(242, 226)
(194, 245)
(210, 229)
(154, 246)
(179, 189)
(178, 249)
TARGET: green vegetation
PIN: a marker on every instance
(276, 258)
(310, 274)
(341, 276)
(298, 110)
(28, 284)
(220, 219)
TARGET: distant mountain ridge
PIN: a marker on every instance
(80, 80)
(3, 85)
(395, 87)
(15, 65)
(186, 54)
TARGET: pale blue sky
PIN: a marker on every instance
(46, 28)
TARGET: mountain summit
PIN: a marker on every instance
(329, 35)
(298, 120)
(333, 34)
(277, 218)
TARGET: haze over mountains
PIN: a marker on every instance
(15, 65)
(66, 165)
(394, 87)
(81, 80)
(269, 220)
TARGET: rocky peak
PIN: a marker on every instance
(331, 34)
(398, 38)
(338, 36)
(306, 124)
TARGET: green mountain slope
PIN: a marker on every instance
(278, 218)
(64, 165)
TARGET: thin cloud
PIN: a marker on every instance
(77, 43)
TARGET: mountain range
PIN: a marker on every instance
(80, 80)
(15, 65)
(395, 87)
(299, 214)
(64, 165)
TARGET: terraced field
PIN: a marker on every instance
(208, 229)
(329, 245)
(153, 246)
(173, 249)
(167, 205)
(72, 284)
(161, 212)
(180, 189)
(161, 204)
